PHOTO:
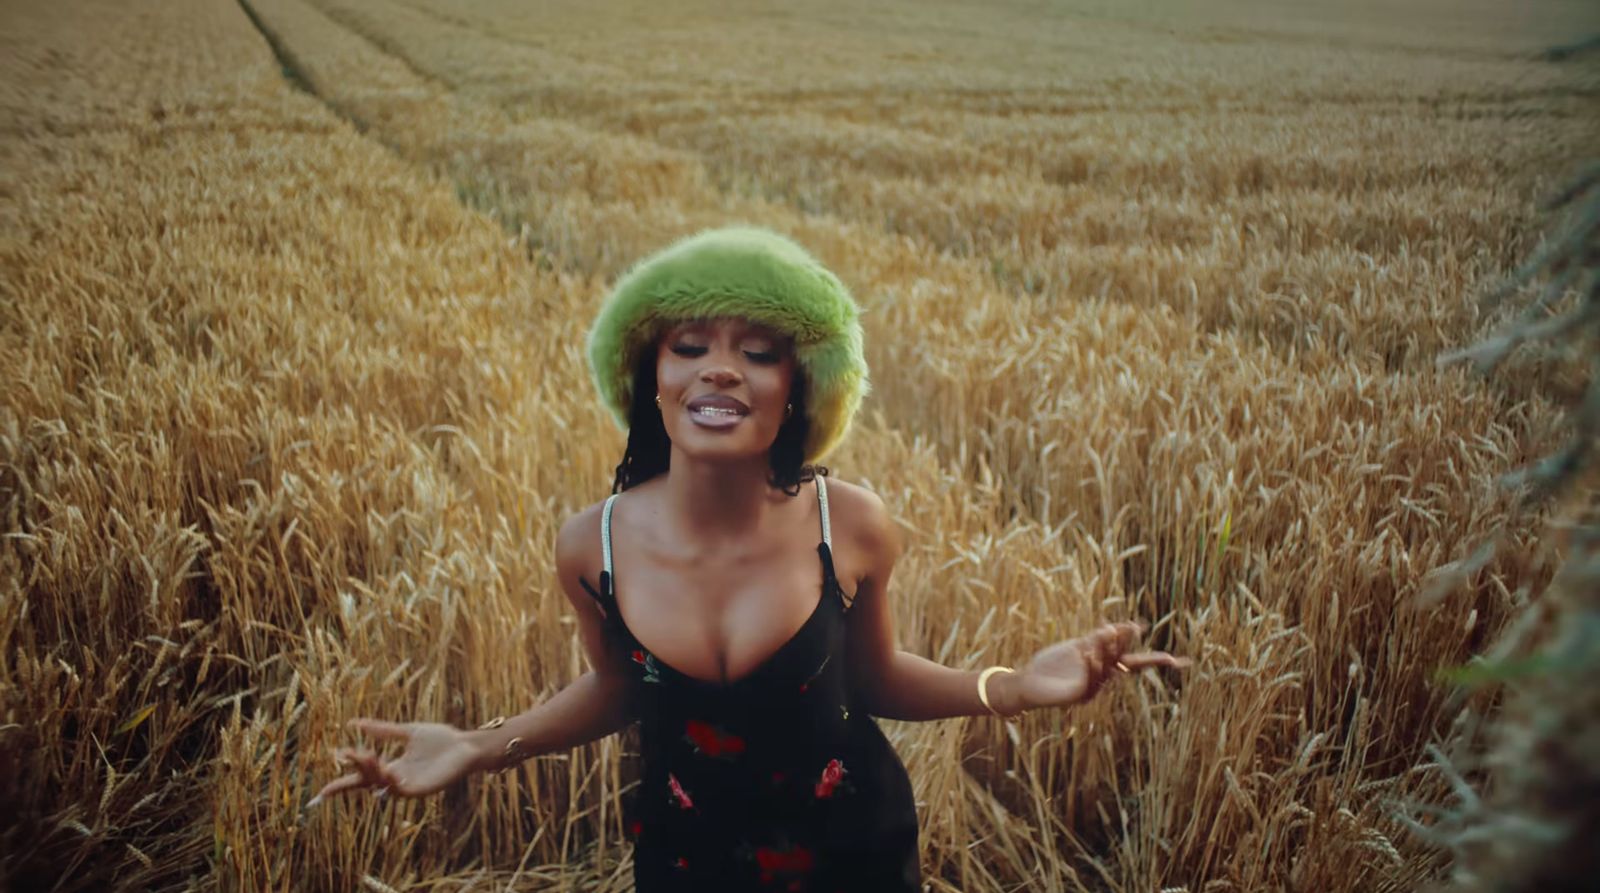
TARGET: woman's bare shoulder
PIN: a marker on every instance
(578, 544)
(849, 494)
(859, 515)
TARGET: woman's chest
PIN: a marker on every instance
(807, 665)
(720, 624)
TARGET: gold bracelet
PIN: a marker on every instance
(983, 686)
(512, 755)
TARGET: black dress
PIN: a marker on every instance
(775, 781)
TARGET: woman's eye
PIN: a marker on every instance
(695, 350)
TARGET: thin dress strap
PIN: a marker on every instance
(605, 533)
(822, 499)
(826, 547)
(604, 599)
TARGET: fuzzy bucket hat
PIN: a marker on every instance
(752, 274)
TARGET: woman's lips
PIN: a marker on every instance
(717, 411)
(719, 401)
(715, 417)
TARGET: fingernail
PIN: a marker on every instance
(312, 803)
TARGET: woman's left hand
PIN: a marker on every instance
(1073, 671)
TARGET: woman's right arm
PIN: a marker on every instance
(436, 754)
(595, 704)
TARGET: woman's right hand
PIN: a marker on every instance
(435, 756)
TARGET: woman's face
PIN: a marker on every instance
(723, 386)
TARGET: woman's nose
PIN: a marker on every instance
(720, 375)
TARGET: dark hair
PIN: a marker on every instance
(649, 450)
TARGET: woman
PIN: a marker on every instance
(734, 361)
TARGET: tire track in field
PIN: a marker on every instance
(297, 72)
(286, 60)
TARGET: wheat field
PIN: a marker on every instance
(291, 324)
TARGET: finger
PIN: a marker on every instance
(386, 774)
(337, 786)
(1127, 632)
(1093, 667)
(1109, 644)
(1121, 636)
(1140, 660)
(372, 770)
(346, 756)
(382, 729)
(1115, 636)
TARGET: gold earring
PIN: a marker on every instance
(788, 410)
(658, 400)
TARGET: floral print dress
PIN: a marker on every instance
(773, 782)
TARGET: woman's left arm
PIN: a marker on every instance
(896, 684)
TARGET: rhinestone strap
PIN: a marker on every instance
(822, 497)
(605, 532)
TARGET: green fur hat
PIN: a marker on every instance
(752, 274)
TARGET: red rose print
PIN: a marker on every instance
(774, 862)
(680, 863)
(679, 795)
(648, 661)
(832, 774)
(711, 741)
(635, 826)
